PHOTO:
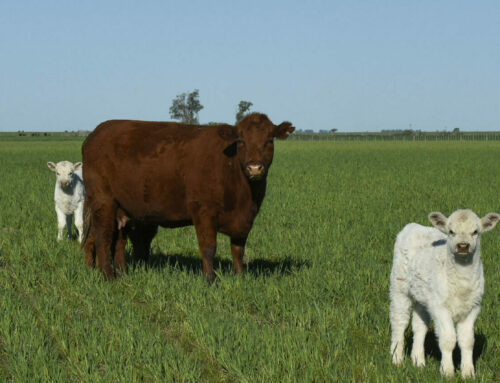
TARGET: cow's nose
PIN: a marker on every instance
(255, 169)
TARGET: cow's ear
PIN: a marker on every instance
(228, 133)
(283, 130)
(439, 221)
(231, 150)
(77, 166)
(51, 166)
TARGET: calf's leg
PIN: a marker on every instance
(445, 332)
(465, 335)
(69, 225)
(420, 324)
(141, 236)
(79, 221)
(61, 223)
(400, 317)
(119, 256)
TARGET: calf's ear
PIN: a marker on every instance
(439, 221)
(51, 166)
(77, 166)
(489, 221)
(283, 130)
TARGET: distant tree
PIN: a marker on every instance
(456, 130)
(243, 108)
(186, 106)
(333, 130)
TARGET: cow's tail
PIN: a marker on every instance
(87, 223)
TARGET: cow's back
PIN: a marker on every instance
(152, 170)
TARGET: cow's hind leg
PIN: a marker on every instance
(89, 248)
(103, 222)
(238, 251)
(88, 235)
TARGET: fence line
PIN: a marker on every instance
(462, 136)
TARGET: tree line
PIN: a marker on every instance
(186, 106)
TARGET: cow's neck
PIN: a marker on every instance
(258, 189)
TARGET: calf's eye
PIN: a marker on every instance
(475, 232)
(452, 232)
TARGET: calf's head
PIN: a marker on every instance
(463, 229)
(64, 172)
(254, 143)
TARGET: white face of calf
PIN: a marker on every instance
(463, 228)
(64, 172)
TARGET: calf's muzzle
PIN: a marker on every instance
(463, 248)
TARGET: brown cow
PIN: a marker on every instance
(171, 175)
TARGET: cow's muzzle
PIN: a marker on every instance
(255, 170)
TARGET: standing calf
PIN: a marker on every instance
(440, 270)
(69, 195)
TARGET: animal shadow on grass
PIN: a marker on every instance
(431, 346)
(191, 264)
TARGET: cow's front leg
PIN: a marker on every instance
(238, 251)
(205, 225)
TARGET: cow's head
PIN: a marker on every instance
(463, 229)
(254, 143)
(64, 172)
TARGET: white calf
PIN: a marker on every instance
(69, 195)
(440, 270)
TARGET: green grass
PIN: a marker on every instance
(313, 305)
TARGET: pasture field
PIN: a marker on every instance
(312, 306)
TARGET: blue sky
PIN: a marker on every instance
(351, 65)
